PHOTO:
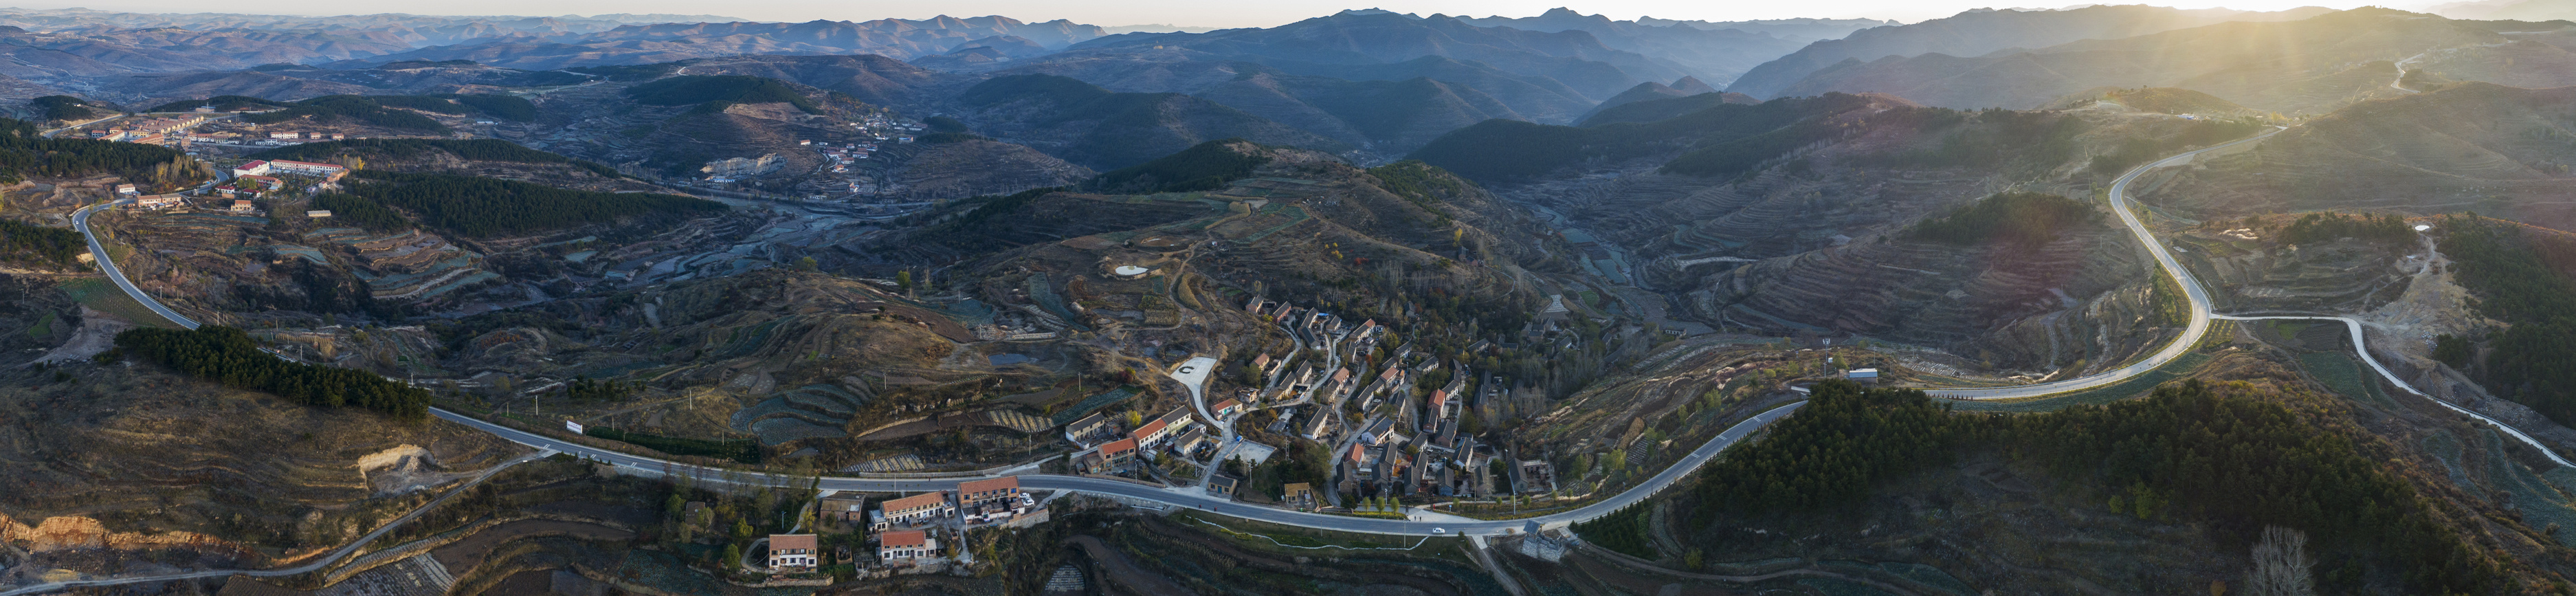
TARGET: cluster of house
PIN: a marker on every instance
(250, 186)
(150, 131)
(843, 155)
(906, 529)
(166, 201)
(1110, 453)
(307, 136)
(886, 129)
(1414, 445)
(327, 172)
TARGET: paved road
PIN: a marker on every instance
(2361, 344)
(80, 222)
(1189, 497)
(2191, 289)
(1194, 498)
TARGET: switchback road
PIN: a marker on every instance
(2191, 289)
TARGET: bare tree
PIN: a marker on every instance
(2281, 565)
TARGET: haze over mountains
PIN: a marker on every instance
(2312, 64)
(1369, 84)
(1374, 278)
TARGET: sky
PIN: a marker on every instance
(1130, 12)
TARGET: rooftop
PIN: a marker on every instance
(917, 501)
(904, 538)
(978, 486)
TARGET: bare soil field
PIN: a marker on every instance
(464, 555)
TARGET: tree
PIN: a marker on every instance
(903, 278)
(732, 557)
(2281, 565)
(2452, 350)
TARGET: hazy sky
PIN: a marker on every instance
(1128, 12)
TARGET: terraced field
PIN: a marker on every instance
(810, 412)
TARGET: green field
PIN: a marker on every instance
(100, 295)
(2344, 375)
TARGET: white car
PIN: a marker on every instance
(1439, 530)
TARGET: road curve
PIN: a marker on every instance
(2191, 289)
(1189, 497)
(80, 222)
(2362, 346)
(1196, 499)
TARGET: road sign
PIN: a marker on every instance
(575, 427)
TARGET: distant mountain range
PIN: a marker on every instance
(1369, 85)
(2516, 10)
(1978, 32)
(1717, 51)
(669, 42)
(2312, 65)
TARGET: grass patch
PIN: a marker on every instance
(101, 295)
(2344, 375)
(741, 450)
(1257, 535)
(2542, 504)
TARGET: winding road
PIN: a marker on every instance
(2191, 290)
(1419, 522)
(80, 222)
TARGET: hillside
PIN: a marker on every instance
(493, 158)
(2312, 65)
(1978, 32)
(2499, 151)
(868, 78)
(1656, 105)
(1717, 51)
(1714, 140)
(2158, 100)
(1102, 130)
(1650, 90)
(649, 43)
(1389, 108)
(1791, 217)
(1363, 37)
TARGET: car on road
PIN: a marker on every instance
(1439, 530)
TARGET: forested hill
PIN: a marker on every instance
(487, 208)
(2526, 278)
(226, 355)
(700, 89)
(1205, 166)
(411, 149)
(380, 110)
(1720, 140)
(38, 245)
(2235, 458)
(24, 154)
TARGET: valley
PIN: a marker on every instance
(677, 304)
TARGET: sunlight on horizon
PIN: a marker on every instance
(1171, 12)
